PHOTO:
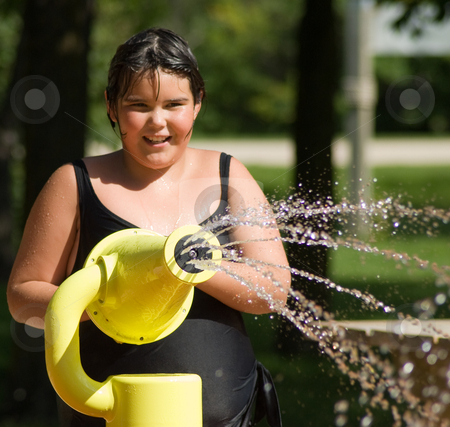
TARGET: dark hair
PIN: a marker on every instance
(146, 53)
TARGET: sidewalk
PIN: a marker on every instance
(380, 151)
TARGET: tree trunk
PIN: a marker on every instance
(314, 129)
(7, 137)
(49, 99)
(56, 49)
(9, 142)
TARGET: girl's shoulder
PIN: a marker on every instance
(201, 161)
(202, 154)
(102, 165)
(211, 158)
(102, 159)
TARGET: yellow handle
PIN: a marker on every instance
(62, 352)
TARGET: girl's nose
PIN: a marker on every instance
(157, 118)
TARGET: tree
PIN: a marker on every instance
(412, 9)
(314, 128)
(56, 47)
(48, 94)
(8, 139)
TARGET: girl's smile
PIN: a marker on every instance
(157, 141)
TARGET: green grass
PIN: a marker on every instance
(422, 186)
(276, 182)
(393, 282)
(419, 185)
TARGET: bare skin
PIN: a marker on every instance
(154, 165)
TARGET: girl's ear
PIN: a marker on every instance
(109, 111)
(197, 108)
(198, 104)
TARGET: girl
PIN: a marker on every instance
(157, 182)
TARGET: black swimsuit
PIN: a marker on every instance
(211, 342)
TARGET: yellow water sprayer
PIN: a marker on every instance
(137, 287)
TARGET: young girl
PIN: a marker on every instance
(157, 182)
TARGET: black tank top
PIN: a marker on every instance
(211, 342)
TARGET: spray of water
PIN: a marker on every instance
(390, 384)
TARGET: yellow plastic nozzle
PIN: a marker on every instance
(147, 294)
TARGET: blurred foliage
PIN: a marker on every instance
(417, 13)
(10, 26)
(435, 70)
(247, 51)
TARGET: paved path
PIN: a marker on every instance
(281, 151)
(380, 151)
(411, 327)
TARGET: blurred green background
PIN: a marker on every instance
(247, 51)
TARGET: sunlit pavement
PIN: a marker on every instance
(380, 151)
(281, 151)
(409, 327)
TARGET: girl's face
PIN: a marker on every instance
(155, 118)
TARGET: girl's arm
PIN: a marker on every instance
(45, 250)
(244, 194)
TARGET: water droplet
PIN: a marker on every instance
(341, 420)
(440, 299)
(341, 406)
(267, 387)
(432, 359)
(436, 408)
(408, 367)
(366, 421)
(445, 397)
(442, 354)
(426, 346)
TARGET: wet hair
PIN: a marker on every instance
(145, 55)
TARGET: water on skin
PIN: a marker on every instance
(391, 385)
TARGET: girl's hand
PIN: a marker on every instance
(259, 244)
